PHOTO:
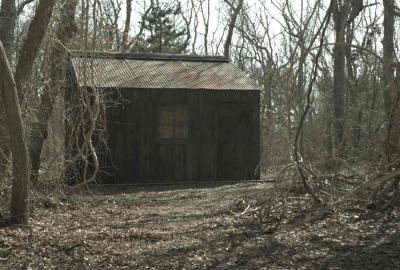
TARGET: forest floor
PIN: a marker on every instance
(197, 229)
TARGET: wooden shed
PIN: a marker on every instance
(180, 118)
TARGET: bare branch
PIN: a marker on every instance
(21, 6)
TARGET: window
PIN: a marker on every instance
(173, 122)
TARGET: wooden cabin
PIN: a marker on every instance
(179, 118)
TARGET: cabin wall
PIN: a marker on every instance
(215, 140)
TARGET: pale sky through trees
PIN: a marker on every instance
(219, 14)
(266, 10)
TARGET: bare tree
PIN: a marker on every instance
(231, 26)
(340, 15)
(7, 29)
(125, 34)
(188, 21)
(27, 56)
(20, 187)
(31, 45)
(344, 13)
(256, 32)
(8, 12)
(206, 19)
(195, 25)
(65, 30)
(392, 86)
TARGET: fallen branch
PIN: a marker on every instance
(368, 184)
(80, 185)
(80, 244)
(248, 209)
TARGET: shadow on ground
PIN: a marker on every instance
(197, 229)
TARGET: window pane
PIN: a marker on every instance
(166, 132)
(173, 122)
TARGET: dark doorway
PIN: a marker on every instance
(233, 141)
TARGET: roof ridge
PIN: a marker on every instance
(150, 56)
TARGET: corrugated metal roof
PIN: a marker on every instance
(159, 71)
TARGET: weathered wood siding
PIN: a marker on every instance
(222, 143)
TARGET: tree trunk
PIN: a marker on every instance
(8, 12)
(7, 29)
(300, 90)
(206, 20)
(12, 89)
(65, 30)
(125, 34)
(231, 27)
(391, 90)
(354, 113)
(388, 53)
(267, 111)
(30, 48)
(341, 18)
(31, 45)
(339, 53)
(20, 187)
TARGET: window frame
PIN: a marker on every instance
(173, 110)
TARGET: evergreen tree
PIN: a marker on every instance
(161, 34)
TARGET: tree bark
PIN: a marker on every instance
(391, 90)
(7, 29)
(20, 186)
(8, 12)
(206, 20)
(12, 89)
(340, 14)
(31, 45)
(354, 113)
(388, 53)
(231, 27)
(65, 30)
(125, 34)
(301, 74)
(344, 13)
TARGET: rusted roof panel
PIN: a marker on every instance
(160, 72)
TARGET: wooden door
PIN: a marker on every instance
(233, 141)
(171, 162)
(172, 140)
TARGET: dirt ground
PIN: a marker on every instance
(196, 228)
